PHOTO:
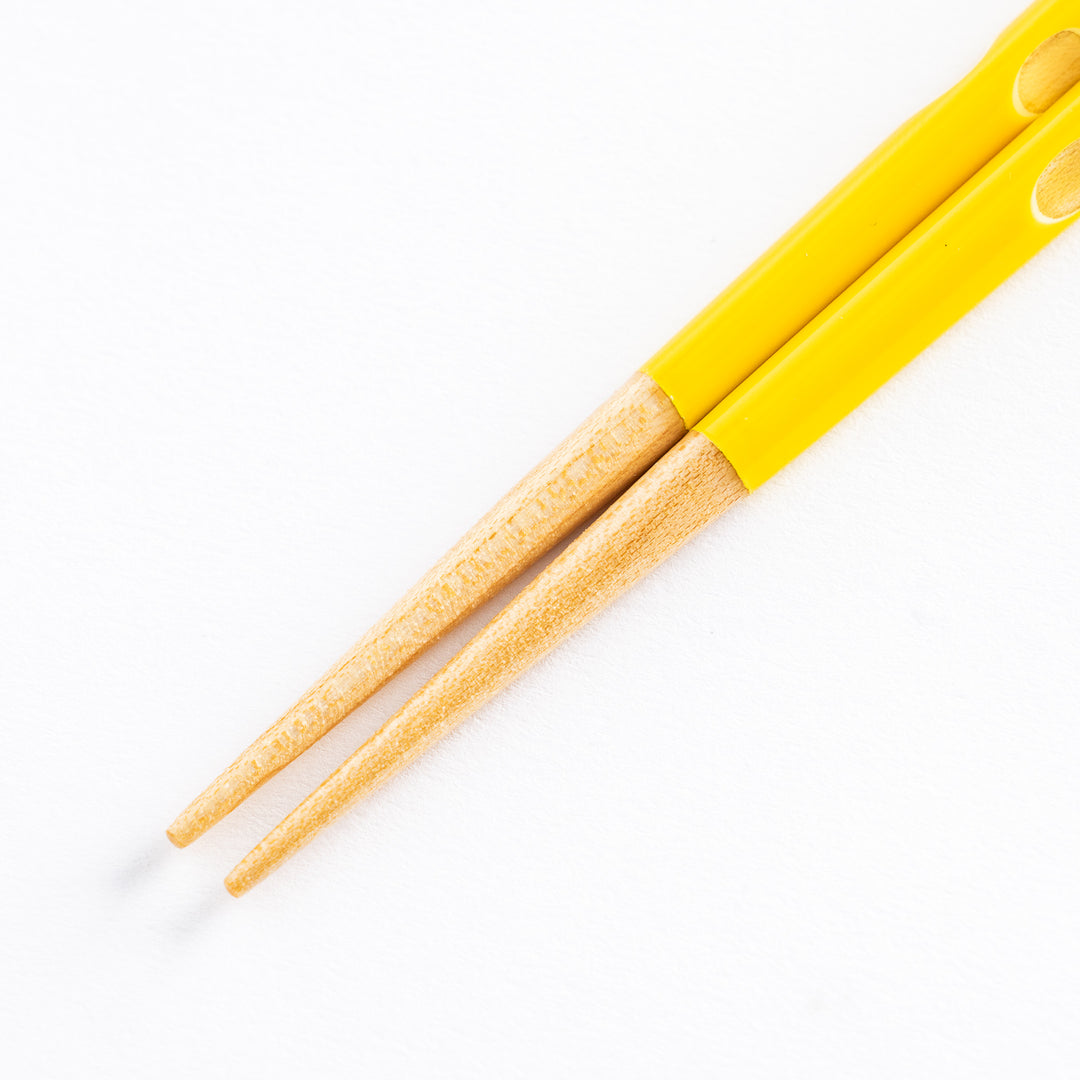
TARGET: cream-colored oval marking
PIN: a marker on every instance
(1049, 72)
(1057, 193)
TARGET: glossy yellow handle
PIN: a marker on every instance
(1004, 215)
(889, 194)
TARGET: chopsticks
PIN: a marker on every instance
(882, 201)
(689, 487)
(1007, 213)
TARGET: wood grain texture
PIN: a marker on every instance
(601, 459)
(693, 484)
(1049, 72)
(1057, 194)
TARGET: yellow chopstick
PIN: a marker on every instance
(1035, 61)
(1001, 218)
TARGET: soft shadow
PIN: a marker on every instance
(139, 867)
(199, 915)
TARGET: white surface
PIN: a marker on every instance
(277, 278)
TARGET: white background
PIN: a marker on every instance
(290, 294)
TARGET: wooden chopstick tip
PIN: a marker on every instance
(202, 814)
(188, 826)
(176, 837)
(247, 873)
(216, 802)
(235, 886)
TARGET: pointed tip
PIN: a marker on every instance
(176, 835)
(235, 886)
(188, 826)
(204, 812)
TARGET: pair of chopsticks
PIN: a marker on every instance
(935, 219)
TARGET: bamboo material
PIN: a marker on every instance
(688, 488)
(593, 466)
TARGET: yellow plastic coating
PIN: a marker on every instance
(902, 182)
(955, 258)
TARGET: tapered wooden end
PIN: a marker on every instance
(598, 461)
(222, 796)
(176, 833)
(236, 885)
(693, 484)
